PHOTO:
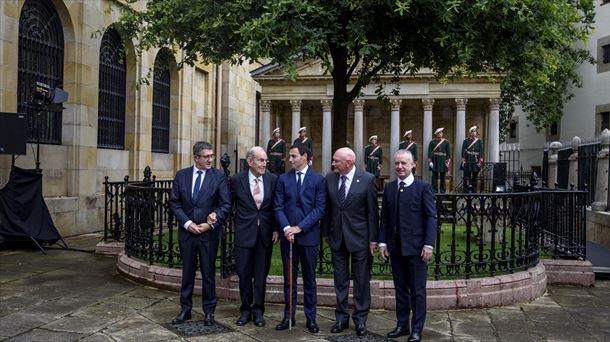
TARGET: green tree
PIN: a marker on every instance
(529, 44)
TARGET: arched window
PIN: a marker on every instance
(161, 103)
(41, 59)
(111, 105)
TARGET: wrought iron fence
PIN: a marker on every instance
(478, 234)
(587, 169)
(563, 167)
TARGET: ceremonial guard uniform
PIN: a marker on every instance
(439, 157)
(373, 154)
(410, 146)
(276, 151)
(472, 159)
(305, 140)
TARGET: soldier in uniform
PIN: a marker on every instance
(373, 155)
(276, 150)
(472, 159)
(439, 158)
(305, 140)
(411, 147)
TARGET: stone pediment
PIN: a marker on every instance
(307, 69)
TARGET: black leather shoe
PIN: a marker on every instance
(415, 337)
(259, 321)
(338, 327)
(360, 329)
(312, 326)
(208, 320)
(283, 325)
(399, 331)
(182, 317)
(244, 319)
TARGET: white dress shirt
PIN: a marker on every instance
(348, 180)
(252, 183)
(195, 174)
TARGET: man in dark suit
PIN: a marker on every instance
(300, 203)
(252, 192)
(201, 202)
(352, 224)
(407, 236)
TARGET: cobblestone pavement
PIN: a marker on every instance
(69, 295)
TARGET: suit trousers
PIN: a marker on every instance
(192, 250)
(410, 274)
(361, 262)
(252, 268)
(305, 256)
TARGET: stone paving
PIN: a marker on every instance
(70, 295)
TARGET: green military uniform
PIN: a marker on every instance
(472, 157)
(276, 152)
(373, 156)
(439, 153)
(411, 147)
(308, 143)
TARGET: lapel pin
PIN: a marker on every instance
(357, 180)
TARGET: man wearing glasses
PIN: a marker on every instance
(200, 201)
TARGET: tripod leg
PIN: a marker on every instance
(39, 246)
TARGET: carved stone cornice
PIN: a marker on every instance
(461, 104)
(494, 104)
(428, 103)
(327, 105)
(358, 105)
(296, 105)
(265, 105)
(396, 104)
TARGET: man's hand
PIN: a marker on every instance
(290, 232)
(204, 227)
(426, 254)
(378, 167)
(372, 247)
(384, 253)
(275, 237)
(212, 218)
(193, 228)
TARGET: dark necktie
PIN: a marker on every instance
(342, 193)
(299, 181)
(401, 188)
(197, 185)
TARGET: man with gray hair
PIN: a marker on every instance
(407, 235)
(200, 201)
(253, 194)
(351, 223)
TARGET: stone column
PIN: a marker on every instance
(573, 159)
(493, 137)
(358, 132)
(265, 122)
(326, 135)
(395, 127)
(601, 184)
(296, 120)
(426, 135)
(460, 134)
(553, 156)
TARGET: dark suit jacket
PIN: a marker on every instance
(419, 228)
(305, 209)
(357, 219)
(247, 215)
(213, 197)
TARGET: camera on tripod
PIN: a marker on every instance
(44, 96)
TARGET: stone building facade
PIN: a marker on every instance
(422, 105)
(111, 125)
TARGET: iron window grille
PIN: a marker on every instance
(40, 59)
(161, 103)
(112, 86)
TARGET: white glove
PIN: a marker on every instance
(431, 165)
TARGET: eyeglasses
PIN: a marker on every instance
(206, 157)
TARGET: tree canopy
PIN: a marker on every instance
(531, 43)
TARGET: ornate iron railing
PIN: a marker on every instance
(478, 234)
